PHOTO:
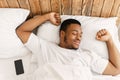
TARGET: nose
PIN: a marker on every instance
(79, 37)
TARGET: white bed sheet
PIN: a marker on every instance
(51, 72)
(7, 67)
(97, 77)
(106, 77)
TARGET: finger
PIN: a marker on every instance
(105, 31)
(102, 32)
(57, 15)
(97, 37)
(99, 34)
(58, 20)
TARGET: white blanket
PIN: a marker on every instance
(60, 72)
(105, 77)
(65, 72)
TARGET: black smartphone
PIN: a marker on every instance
(19, 67)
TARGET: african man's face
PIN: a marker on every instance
(71, 37)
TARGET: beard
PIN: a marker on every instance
(65, 39)
(69, 46)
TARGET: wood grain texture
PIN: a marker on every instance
(107, 8)
(35, 7)
(101, 8)
(115, 8)
(97, 7)
(13, 3)
(3, 4)
(87, 7)
(56, 5)
(66, 7)
(76, 7)
(24, 4)
(45, 6)
(118, 15)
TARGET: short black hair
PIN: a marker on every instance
(65, 24)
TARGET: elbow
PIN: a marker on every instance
(117, 72)
(18, 32)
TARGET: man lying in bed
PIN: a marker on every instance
(67, 52)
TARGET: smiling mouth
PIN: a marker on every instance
(77, 42)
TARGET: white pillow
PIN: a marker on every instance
(49, 32)
(10, 44)
(119, 31)
(90, 25)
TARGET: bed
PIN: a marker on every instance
(84, 10)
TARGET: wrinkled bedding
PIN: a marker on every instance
(106, 77)
(68, 72)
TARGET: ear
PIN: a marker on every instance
(62, 34)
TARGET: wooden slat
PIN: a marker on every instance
(66, 7)
(46, 7)
(118, 15)
(35, 7)
(97, 6)
(104, 8)
(3, 4)
(55, 5)
(25, 4)
(13, 3)
(76, 7)
(107, 8)
(115, 8)
(87, 7)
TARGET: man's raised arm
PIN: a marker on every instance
(27, 27)
(113, 67)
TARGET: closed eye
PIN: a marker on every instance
(74, 33)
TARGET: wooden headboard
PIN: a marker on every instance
(101, 8)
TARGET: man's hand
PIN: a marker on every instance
(24, 30)
(54, 18)
(113, 67)
(103, 35)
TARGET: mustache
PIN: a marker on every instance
(65, 39)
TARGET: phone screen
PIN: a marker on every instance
(19, 67)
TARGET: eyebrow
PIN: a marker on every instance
(77, 31)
